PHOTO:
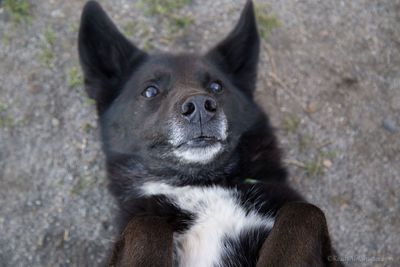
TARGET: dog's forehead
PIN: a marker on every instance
(184, 67)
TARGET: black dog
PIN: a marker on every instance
(192, 160)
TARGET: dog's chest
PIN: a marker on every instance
(218, 216)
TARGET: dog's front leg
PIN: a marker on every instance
(145, 241)
(299, 238)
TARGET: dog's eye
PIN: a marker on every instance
(150, 92)
(215, 87)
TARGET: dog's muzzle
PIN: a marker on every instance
(198, 133)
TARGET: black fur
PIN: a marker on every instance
(135, 130)
(243, 251)
(266, 198)
(159, 205)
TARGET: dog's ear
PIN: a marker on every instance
(106, 56)
(237, 54)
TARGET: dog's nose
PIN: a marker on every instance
(199, 108)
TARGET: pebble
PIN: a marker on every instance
(66, 235)
(57, 14)
(311, 107)
(55, 122)
(389, 125)
(324, 33)
(327, 163)
(40, 240)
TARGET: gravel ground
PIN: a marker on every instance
(329, 78)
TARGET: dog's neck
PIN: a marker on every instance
(262, 163)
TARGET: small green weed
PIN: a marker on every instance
(19, 10)
(74, 77)
(304, 142)
(87, 127)
(129, 28)
(168, 14)
(6, 39)
(266, 22)
(290, 123)
(3, 107)
(90, 102)
(47, 55)
(314, 167)
(339, 200)
(332, 154)
(49, 36)
(5, 120)
(83, 184)
(182, 22)
(163, 7)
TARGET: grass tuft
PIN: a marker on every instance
(266, 22)
(315, 167)
(87, 127)
(83, 184)
(182, 22)
(163, 7)
(339, 200)
(129, 28)
(46, 56)
(74, 77)
(305, 141)
(332, 154)
(19, 10)
(168, 13)
(6, 39)
(290, 124)
(49, 39)
(49, 36)
(89, 101)
(5, 120)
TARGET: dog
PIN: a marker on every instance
(192, 160)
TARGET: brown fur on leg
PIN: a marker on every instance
(299, 238)
(145, 241)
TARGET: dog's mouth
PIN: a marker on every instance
(199, 150)
(200, 142)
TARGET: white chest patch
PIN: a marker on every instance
(218, 216)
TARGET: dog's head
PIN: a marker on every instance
(176, 110)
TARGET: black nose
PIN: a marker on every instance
(199, 108)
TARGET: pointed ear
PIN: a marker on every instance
(106, 56)
(237, 54)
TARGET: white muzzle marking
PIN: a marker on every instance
(200, 155)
